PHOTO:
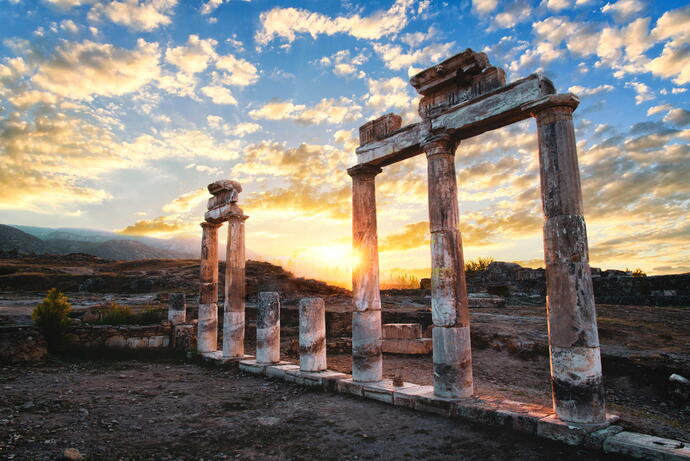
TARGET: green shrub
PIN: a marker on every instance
(479, 264)
(151, 316)
(51, 317)
(638, 273)
(116, 314)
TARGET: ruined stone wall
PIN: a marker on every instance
(123, 336)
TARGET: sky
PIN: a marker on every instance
(115, 115)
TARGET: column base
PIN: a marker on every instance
(452, 362)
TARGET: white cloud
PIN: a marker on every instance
(135, 14)
(623, 9)
(680, 117)
(219, 94)
(327, 110)
(584, 91)
(388, 93)
(484, 6)
(286, 23)
(660, 108)
(556, 5)
(237, 71)
(643, 91)
(674, 62)
(210, 6)
(396, 59)
(186, 202)
(343, 63)
(194, 57)
(414, 39)
(87, 69)
(203, 169)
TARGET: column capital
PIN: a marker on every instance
(210, 225)
(442, 143)
(364, 170)
(238, 217)
(553, 108)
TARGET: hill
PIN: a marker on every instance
(13, 240)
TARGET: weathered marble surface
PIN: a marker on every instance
(268, 327)
(312, 334)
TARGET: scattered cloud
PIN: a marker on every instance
(141, 15)
(329, 110)
(584, 91)
(186, 202)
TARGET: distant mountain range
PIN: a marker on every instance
(107, 245)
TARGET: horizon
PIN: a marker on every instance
(114, 116)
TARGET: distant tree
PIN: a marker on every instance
(638, 273)
(479, 264)
(51, 317)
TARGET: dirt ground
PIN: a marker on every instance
(181, 411)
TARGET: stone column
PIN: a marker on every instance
(367, 360)
(177, 310)
(233, 312)
(576, 378)
(207, 336)
(449, 309)
(268, 328)
(312, 334)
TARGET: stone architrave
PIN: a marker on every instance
(268, 328)
(207, 336)
(312, 334)
(576, 376)
(177, 310)
(367, 358)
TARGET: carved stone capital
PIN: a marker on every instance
(439, 144)
(364, 171)
(210, 225)
(553, 108)
(238, 217)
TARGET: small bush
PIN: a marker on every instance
(479, 264)
(116, 314)
(51, 316)
(150, 316)
(638, 273)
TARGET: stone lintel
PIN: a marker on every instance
(489, 111)
(458, 67)
(221, 185)
(224, 213)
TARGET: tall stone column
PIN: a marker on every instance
(233, 312)
(207, 336)
(367, 360)
(449, 309)
(576, 377)
(268, 327)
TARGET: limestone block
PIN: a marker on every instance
(379, 128)
(422, 346)
(137, 343)
(348, 386)
(402, 330)
(158, 342)
(554, 428)
(643, 446)
(177, 312)
(326, 379)
(219, 186)
(430, 403)
(279, 371)
(116, 341)
(383, 390)
(251, 366)
(407, 396)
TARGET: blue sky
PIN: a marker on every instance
(114, 114)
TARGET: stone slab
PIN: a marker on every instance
(383, 390)
(643, 446)
(571, 433)
(348, 386)
(422, 346)
(217, 357)
(279, 371)
(406, 397)
(430, 403)
(401, 330)
(327, 379)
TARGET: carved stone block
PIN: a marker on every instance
(460, 78)
(379, 128)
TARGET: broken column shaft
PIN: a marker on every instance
(452, 355)
(177, 310)
(576, 376)
(312, 334)
(367, 360)
(268, 327)
(207, 336)
(233, 312)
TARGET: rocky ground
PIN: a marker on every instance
(179, 411)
